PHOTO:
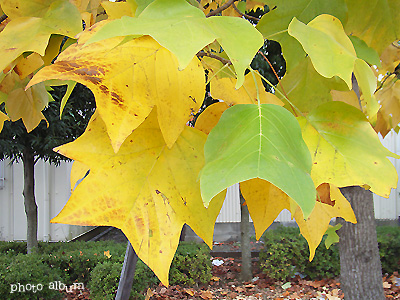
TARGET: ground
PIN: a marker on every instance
(226, 284)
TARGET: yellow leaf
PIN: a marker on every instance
(116, 10)
(149, 294)
(31, 33)
(264, 201)
(129, 80)
(348, 97)
(146, 189)
(3, 118)
(107, 254)
(210, 117)
(52, 48)
(217, 68)
(28, 65)
(25, 104)
(231, 12)
(346, 150)
(21, 8)
(367, 82)
(78, 172)
(329, 33)
(330, 204)
(251, 90)
(389, 99)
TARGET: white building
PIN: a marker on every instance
(53, 190)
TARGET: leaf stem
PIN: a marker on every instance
(279, 82)
(221, 59)
(244, 15)
(3, 17)
(220, 9)
(294, 107)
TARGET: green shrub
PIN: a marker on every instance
(389, 248)
(27, 278)
(13, 247)
(287, 254)
(77, 260)
(104, 280)
(191, 265)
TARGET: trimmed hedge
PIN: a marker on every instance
(287, 254)
(191, 266)
(96, 265)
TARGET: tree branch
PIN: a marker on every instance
(221, 59)
(221, 8)
(3, 17)
(244, 15)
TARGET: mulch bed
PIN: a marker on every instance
(226, 283)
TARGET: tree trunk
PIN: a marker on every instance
(31, 209)
(246, 272)
(360, 265)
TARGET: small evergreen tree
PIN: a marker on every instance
(17, 144)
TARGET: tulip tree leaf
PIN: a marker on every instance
(274, 24)
(330, 204)
(329, 33)
(258, 141)
(30, 33)
(146, 189)
(377, 23)
(129, 80)
(184, 30)
(346, 150)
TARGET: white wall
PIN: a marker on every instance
(52, 190)
(389, 208)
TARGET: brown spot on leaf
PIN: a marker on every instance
(103, 88)
(324, 194)
(117, 100)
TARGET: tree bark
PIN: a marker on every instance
(246, 272)
(31, 209)
(360, 265)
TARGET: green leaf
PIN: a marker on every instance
(377, 23)
(274, 24)
(230, 33)
(306, 88)
(264, 142)
(364, 52)
(346, 149)
(329, 33)
(367, 82)
(331, 235)
(141, 5)
(184, 30)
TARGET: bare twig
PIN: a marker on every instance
(221, 8)
(3, 17)
(221, 59)
(244, 15)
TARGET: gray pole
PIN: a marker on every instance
(127, 274)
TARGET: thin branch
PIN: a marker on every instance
(244, 15)
(221, 8)
(3, 17)
(279, 81)
(221, 59)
